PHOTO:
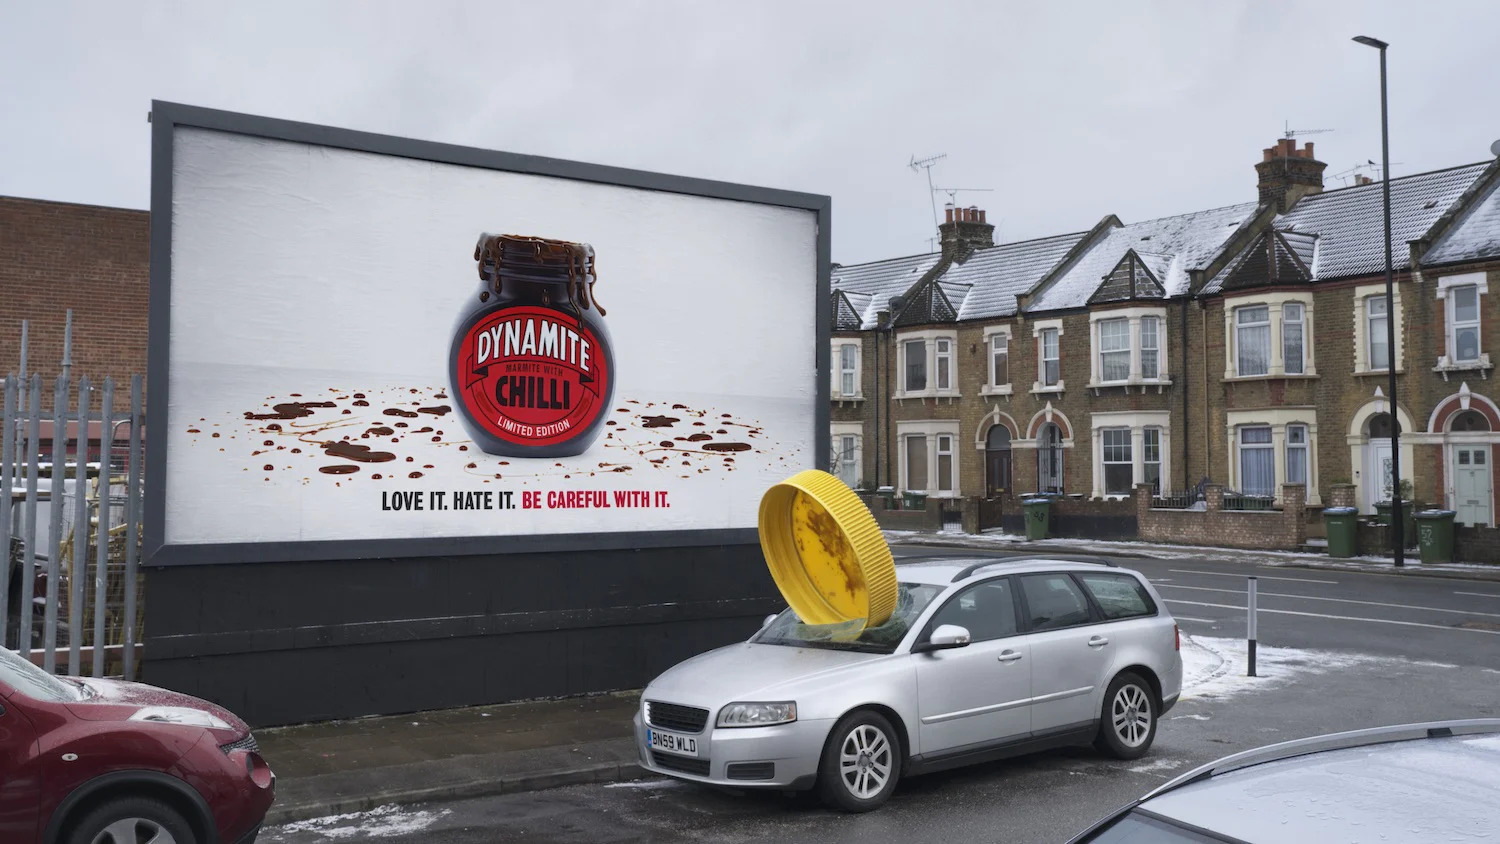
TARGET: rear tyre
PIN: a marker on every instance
(132, 820)
(861, 763)
(1127, 726)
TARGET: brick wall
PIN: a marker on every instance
(1284, 529)
(55, 256)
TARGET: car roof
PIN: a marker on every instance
(1428, 783)
(941, 571)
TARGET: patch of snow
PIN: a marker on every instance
(381, 822)
(1214, 668)
(1156, 766)
(647, 784)
(1195, 716)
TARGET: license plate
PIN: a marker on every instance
(672, 743)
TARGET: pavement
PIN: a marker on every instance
(343, 768)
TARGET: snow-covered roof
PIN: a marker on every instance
(870, 287)
(1350, 226)
(1171, 246)
(1474, 236)
(1273, 256)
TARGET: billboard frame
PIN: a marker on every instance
(167, 116)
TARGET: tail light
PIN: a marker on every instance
(1176, 637)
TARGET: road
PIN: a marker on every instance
(1339, 650)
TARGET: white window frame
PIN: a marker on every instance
(1449, 359)
(1124, 440)
(1362, 294)
(837, 365)
(943, 445)
(942, 370)
(1242, 325)
(1275, 303)
(839, 430)
(930, 336)
(932, 430)
(1377, 336)
(1278, 418)
(990, 388)
(1038, 329)
(1157, 338)
(1135, 318)
(1269, 447)
(1288, 446)
(1137, 422)
(1147, 432)
(1287, 309)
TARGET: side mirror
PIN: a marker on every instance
(767, 623)
(946, 637)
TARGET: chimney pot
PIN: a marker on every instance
(981, 215)
(1307, 150)
(949, 211)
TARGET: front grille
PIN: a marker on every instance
(247, 743)
(751, 771)
(681, 764)
(671, 716)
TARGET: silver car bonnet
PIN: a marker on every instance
(749, 672)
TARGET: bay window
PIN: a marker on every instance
(1252, 340)
(929, 456)
(926, 363)
(1150, 348)
(1119, 468)
(1257, 461)
(1114, 349)
(1292, 338)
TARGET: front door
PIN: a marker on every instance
(1471, 484)
(1377, 473)
(997, 472)
(977, 694)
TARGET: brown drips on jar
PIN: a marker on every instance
(577, 258)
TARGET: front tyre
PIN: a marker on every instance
(131, 820)
(1127, 726)
(861, 763)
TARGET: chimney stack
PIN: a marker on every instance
(1287, 174)
(963, 231)
(1362, 179)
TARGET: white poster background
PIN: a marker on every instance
(303, 269)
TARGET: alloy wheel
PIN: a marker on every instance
(1130, 715)
(134, 831)
(865, 761)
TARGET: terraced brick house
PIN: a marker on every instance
(1240, 345)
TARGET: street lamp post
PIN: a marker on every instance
(1390, 310)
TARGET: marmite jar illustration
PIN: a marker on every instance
(531, 367)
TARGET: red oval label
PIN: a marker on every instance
(531, 376)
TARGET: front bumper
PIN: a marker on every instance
(794, 750)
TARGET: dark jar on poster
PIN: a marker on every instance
(531, 366)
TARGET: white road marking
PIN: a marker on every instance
(1261, 576)
(1176, 617)
(1337, 600)
(1479, 594)
(1341, 617)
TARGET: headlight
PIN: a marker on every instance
(186, 716)
(757, 714)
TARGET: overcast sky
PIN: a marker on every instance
(1067, 111)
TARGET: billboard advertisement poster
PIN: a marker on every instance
(366, 340)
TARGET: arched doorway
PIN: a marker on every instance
(997, 464)
(1049, 458)
(1470, 464)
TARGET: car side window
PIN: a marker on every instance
(1054, 600)
(1118, 595)
(987, 610)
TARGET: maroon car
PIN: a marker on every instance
(86, 761)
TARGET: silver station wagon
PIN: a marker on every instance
(982, 659)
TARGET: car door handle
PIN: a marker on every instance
(1098, 641)
(1009, 656)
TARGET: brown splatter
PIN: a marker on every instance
(699, 424)
(463, 448)
(658, 421)
(194, 431)
(361, 403)
(338, 469)
(396, 411)
(666, 444)
(415, 475)
(296, 451)
(216, 434)
(274, 426)
(356, 452)
(699, 437)
(290, 410)
(472, 466)
(410, 460)
(402, 425)
(438, 410)
(679, 407)
(269, 442)
(611, 422)
(380, 431)
(721, 431)
(422, 430)
(428, 466)
(347, 411)
(268, 467)
(359, 395)
(441, 396)
(726, 447)
(377, 476)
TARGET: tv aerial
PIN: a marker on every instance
(1293, 133)
(926, 164)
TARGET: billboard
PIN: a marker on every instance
(365, 345)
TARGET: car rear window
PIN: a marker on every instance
(1118, 595)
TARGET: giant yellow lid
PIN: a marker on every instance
(825, 551)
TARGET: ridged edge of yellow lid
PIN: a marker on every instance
(871, 553)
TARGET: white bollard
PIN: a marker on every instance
(1250, 630)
